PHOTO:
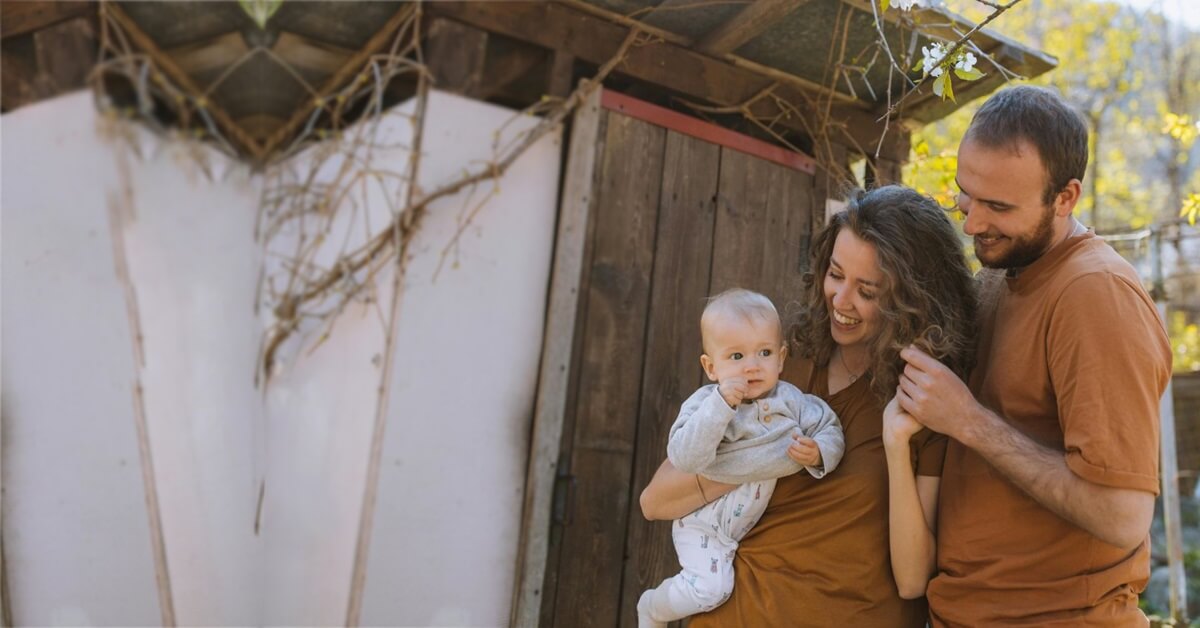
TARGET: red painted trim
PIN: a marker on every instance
(687, 125)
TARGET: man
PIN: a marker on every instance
(1050, 477)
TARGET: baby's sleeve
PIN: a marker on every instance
(819, 422)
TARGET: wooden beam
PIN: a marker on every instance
(673, 67)
(352, 65)
(66, 53)
(165, 63)
(309, 55)
(211, 54)
(18, 16)
(456, 54)
(21, 84)
(562, 75)
(746, 25)
(734, 60)
(562, 316)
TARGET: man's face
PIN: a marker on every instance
(1001, 195)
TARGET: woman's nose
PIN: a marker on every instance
(840, 299)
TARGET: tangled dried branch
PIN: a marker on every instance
(308, 286)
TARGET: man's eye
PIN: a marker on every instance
(766, 353)
(735, 356)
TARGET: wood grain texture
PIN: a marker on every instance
(762, 228)
(593, 543)
(682, 255)
(555, 371)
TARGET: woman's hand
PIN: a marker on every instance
(898, 425)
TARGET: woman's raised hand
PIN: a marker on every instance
(898, 425)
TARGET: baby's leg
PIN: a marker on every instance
(741, 509)
(705, 552)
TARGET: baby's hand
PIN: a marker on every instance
(733, 390)
(804, 451)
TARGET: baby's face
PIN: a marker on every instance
(748, 348)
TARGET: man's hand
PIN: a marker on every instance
(933, 395)
(733, 390)
(804, 451)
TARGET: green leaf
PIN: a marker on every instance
(920, 65)
(937, 86)
(260, 10)
(949, 88)
(884, 4)
(968, 75)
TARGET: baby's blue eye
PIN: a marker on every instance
(766, 353)
(735, 356)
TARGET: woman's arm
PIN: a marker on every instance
(912, 507)
(672, 493)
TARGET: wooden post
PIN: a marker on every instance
(554, 376)
(456, 54)
(1177, 591)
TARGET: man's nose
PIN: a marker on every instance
(974, 222)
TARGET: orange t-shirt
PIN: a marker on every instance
(819, 555)
(1072, 353)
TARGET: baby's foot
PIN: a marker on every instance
(643, 611)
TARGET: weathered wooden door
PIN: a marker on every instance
(675, 217)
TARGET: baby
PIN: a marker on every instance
(736, 431)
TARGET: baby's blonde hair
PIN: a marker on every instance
(746, 304)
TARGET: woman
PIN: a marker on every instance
(887, 272)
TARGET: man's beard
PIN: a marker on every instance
(1026, 249)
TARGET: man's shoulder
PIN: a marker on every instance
(1095, 255)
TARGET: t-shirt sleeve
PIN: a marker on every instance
(929, 452)
(1109, 363)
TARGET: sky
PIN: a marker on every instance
(1185, 11)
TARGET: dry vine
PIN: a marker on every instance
(842, 67)
(310, 285)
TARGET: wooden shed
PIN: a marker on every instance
(714, 150)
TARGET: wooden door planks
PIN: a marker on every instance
(671, 370)
(762, 229)
(593, 545)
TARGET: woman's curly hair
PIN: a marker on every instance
(928, 296)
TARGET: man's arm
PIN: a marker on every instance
(937, 398)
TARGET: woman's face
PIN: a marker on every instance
(853, 285)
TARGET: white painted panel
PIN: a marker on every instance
(76, 523)
(194, 262)
(76, 538)
(451, 484)
(76, 534)
(470, 337)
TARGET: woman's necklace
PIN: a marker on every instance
(853, 377)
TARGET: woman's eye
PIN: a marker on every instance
(834, 275)
(766, 353)
(870, 296)
(735, 356)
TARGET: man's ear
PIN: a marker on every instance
(1067, 198)
(709, 367)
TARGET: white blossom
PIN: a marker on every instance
(907, 5)
(966, 62)
(933, 57)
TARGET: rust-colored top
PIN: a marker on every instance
(1072, 353)
(819, 555)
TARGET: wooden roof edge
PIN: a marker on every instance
(686, 42)
(988, 39)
